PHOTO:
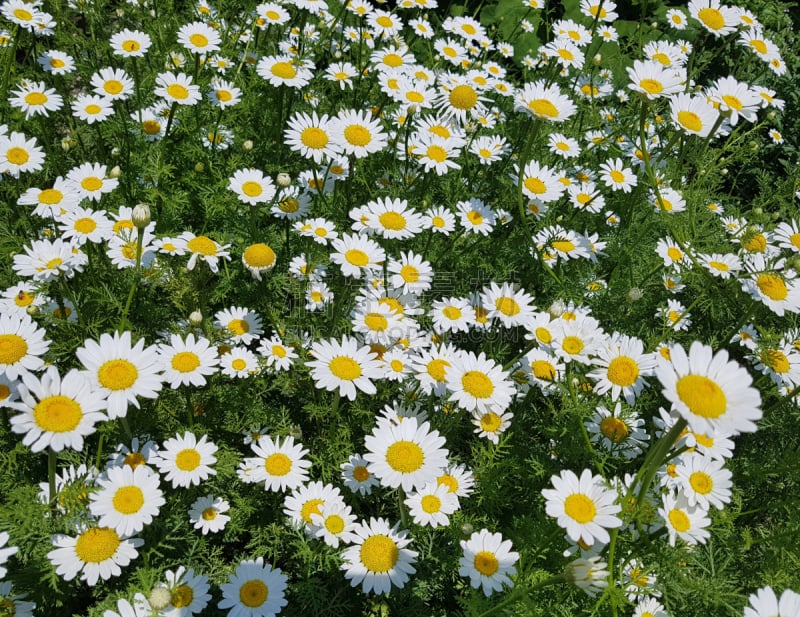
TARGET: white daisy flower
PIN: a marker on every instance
(379, 559)
(128, 499)
(207, 514)
(186, 461)
(255, 589)
(488, 561)
(56, 413)
(96, 553)
(121, 372)
(280, 466)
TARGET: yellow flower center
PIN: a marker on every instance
(57, 414)
(475, 217)
(237, 327)
(436, 369)
(185, 361)
(507, 305)
(131, 46)
(334, 524)
(679, 520)
(182, 596)
(617, 176)
(776, 360)
(572, 345)
(113, 86)
(702, 396)
(198, 40)
(392, 220)
(17, 156)
(772, 286)
(202, 245)
(580, 508)
(134, 459)
(712, 18)
(278, 464)
(177, 91)
(310, 507)
(430, 504)
(357, 135)
(463, 97)
(379, 553)
(12, 348)
(405, 456)
(259, 256)
(23, 15)
(128, 499)
(384, 22)
(376, 322)
(117, 374)
(486, 563)
(623, 371)
(452, 312)
(614, 429)
(651, 86)
(314, 138)
(253, 593)
(92, 184)
(357, 257)
(97, 545)
(151, 127)
(543, 108)
(278, 351)
(36, 98)
(535, 186)
(491, 422)
(478, 384)
(360, 473)
(701, 482)
(85, 225)
(690, 121)
(564, 246)
(345, 368)
(187, 459)
(542, 369)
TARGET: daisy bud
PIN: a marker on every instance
(141, 216)
(199, 167)
(724, 171)
(115, 152)
(32, 310)
(248, 145)
(66, 144)
(598, 58)
(284, 179)
(152, 13)
(654, 25)
(466, 530)
(296, 431)
(159, 598)
(588, 574)
(196, 318)
(758, 211)
(634, 294)
(771, 115)
(754, 145)
(115, 172)
(557, 308)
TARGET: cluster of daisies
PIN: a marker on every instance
(435, 124)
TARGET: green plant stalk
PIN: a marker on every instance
(521, 592)
(136, 275)
(644, 478)
(11, 59)
(52, 460)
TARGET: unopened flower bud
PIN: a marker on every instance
(284, 180)
(152, 13)
(141, 216)
(296, 432)
(467, 529)
(634, 294)
(248, 145)
(724, 171)
(115, 152)
(66, 144)
(758, 211)
(199, 167)
(771, 115)
(557, 308)
(115, 172)
(196, 318)
(598, 58)
(159, 598)
(32, 309)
